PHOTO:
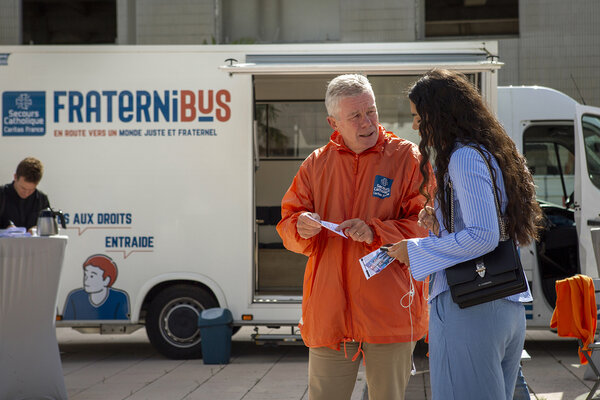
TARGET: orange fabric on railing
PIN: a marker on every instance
(575, 313)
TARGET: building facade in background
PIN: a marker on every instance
(542, 42)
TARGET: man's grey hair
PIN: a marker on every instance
(345, 86)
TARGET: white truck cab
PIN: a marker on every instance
(561, 140)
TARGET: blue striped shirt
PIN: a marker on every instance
(476, 229)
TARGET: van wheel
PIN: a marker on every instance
(172, 321)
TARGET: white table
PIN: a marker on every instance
(30, 366)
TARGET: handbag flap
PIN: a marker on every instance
(502, 259)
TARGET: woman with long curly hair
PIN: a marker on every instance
(474, 353)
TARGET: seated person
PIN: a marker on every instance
(21, 201)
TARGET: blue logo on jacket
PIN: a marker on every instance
(382, 187)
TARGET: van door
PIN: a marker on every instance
(290, 121)
(587, 188)
(549, 147)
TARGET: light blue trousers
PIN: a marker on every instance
(521, 389)
(474, 353)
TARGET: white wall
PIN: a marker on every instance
(175, 21)
(378, 20)
(280, 21)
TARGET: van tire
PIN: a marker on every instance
(172, 321)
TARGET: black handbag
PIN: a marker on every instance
(491, 276)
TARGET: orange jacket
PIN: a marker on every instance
(575, 312)
(379, 186)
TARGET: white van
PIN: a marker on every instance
(170, 163)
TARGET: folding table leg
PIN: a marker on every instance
(593, 367)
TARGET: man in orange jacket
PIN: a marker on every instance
(367, 180)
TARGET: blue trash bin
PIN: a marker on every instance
(215, 331)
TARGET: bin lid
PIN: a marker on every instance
(215, 316)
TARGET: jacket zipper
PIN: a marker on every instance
(354, 191)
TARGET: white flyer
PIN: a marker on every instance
(374, 262)
(329, 225)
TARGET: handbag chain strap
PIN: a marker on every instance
(501, 221)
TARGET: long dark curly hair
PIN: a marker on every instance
(452, 111)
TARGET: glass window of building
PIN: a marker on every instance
(457, 18)
(69, 22)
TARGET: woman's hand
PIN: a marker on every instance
(428, 220)
(400, 252)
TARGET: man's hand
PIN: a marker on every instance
(428, 220)
(400, 252)
(357, 230)
(306, 226)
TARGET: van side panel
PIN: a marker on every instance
(149, 155)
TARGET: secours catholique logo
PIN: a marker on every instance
(23, 113)
(382, 187)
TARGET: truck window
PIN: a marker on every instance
(549, 150)
(290, 115)
(591, 138)
(291, 129)
(393, 105)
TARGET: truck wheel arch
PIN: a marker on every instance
(153, 286)
(154, 291)
(172, 319)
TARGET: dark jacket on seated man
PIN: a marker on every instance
(22, 212)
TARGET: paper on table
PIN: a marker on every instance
(329, 225)
(374, 262)
(14, 232)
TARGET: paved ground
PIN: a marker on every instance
(127, 367)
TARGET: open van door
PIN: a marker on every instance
(587, 187)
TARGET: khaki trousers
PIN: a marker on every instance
(331, 376)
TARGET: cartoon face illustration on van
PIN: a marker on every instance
(92, 280)
(97, 299)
